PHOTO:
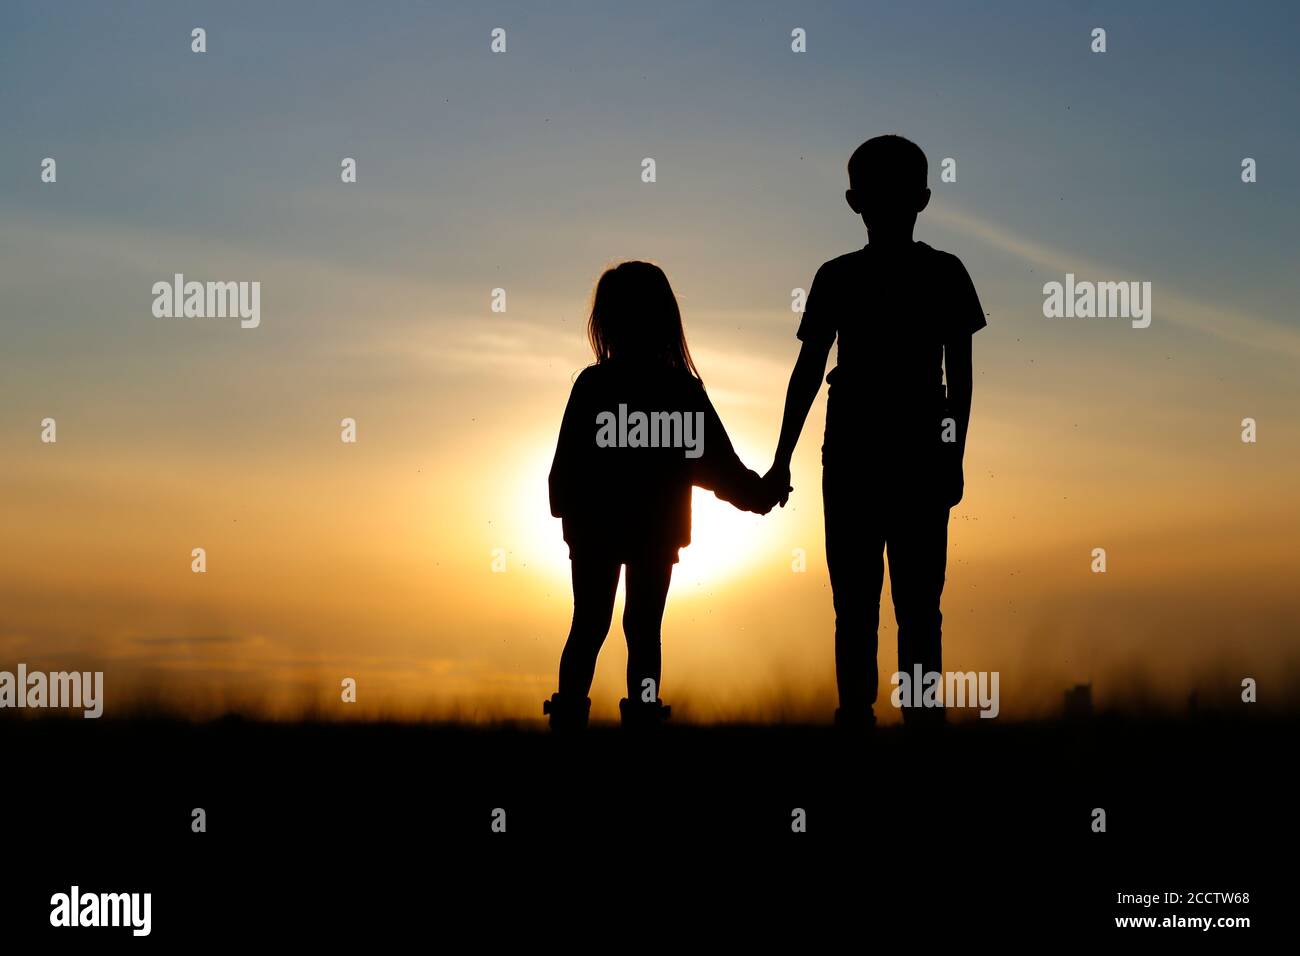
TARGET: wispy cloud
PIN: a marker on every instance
(1227, 323)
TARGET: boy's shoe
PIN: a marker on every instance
(924, 721)
(855, 719)
(637, 715)
(567, 713)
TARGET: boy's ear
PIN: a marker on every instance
(851, 198)
(925, 201)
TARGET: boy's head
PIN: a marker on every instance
(887, 187)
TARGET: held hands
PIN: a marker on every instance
(776, 484)
(755, 497)
(761, 495)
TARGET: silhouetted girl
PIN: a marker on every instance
(638, 432)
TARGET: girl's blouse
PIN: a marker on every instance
(620, 499)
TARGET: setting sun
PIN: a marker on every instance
(725, 542)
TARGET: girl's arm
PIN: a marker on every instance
(566, 464)
(720, 470)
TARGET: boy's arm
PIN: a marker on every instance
(960, 381)
(805, 381)
(966, 317)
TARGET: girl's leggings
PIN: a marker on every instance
(595, 583)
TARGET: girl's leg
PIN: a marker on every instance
(643, 613)
(595, 582)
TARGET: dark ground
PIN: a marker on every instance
(326, 832)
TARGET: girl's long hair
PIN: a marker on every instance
(634, 316)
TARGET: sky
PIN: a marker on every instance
(380, 560)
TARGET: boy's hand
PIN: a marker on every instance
(750, 495)
(953, 489)
(951, 480)
(777, 481)
(753, 498)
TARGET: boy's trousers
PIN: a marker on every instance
(864, 521)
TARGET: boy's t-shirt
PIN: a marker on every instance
(892, 313)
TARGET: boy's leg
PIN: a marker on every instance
(595, 583)
(854, 545)
(643, 614)
(918, 557)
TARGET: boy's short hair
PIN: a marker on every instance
(888, 159)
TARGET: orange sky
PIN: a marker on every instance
(374, 560)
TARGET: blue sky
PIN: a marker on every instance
(1132, 153)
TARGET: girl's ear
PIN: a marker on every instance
(851, 198)
(925, 201)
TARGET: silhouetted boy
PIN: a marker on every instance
(904, 314)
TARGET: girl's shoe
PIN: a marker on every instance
(567, 713)
(637, 715)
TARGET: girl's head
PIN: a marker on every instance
(634, 315)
